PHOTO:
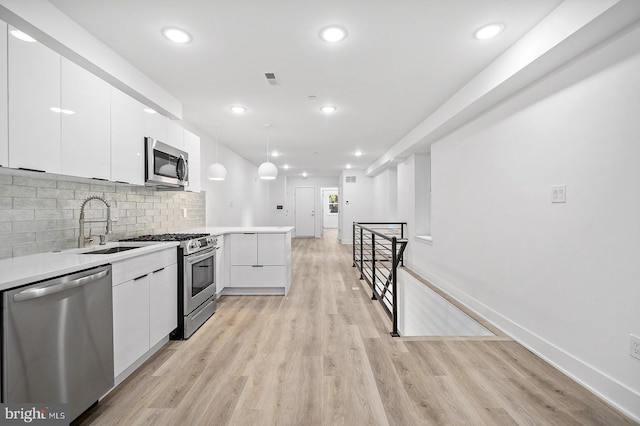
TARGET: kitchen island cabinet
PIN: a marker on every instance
(259, 263)
(252, 260)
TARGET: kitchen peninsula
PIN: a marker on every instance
(252, 260)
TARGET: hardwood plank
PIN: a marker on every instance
(323, 356)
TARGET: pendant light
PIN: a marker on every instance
(267, 170)
(217, 171)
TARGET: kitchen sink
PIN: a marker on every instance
(112, 250)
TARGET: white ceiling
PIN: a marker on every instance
(401, 60)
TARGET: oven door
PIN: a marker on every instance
(199, 279)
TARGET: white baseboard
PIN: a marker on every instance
(614, 393)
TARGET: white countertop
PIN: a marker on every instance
(221, 230)
(22, 270)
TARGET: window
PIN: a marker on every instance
(333, 203)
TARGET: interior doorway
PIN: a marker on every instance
(330, 208)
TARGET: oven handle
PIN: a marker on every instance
(200, 256)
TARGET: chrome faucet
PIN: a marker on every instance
(82, 241)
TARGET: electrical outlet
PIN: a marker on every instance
(634, 346)
(184, 212)
(559, 194)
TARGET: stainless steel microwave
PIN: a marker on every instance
(166, 166)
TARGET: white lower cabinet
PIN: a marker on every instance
(163, 303)
(259, 261)
(221, 278)
(145, 307)
(130, 322)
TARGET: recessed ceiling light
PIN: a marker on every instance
(176, 35)
(304, 174)
(348, 166)
(275, 153)
(333, 33)
(328, 109)
(149, 111)
(286, 167)
(22, 36)
(357, 153)
(489, 31)
(238, 109)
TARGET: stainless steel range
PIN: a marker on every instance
(196, 279)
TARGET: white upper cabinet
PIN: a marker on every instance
(4, 127)
(192, 146)
(155, 126)
(85, 136)
(175, 135)
(34, 88)
(127, 138)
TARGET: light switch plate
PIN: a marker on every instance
(559, 194)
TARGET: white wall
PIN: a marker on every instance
(356, 203)
(316, 182)
(560, 278)
(240, 200)
(385, 195)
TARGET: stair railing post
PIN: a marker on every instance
(373, 266)
(394, 268)
(353, 242)
(361, 255)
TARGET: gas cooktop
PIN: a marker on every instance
(167, 237)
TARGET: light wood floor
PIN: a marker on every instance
(323, 356)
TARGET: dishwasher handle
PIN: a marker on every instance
(59, 285)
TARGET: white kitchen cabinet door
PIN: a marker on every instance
(192, 146)
(175, 134)
(271, 249)
(34, 88)
(243, 249)
(4, 124)
(85, 134)
(130, 322)
(155, 126)
(127, 138)
(221, 280)
(163, 303)
(257, 276)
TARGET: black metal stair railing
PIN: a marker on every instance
(378, 248)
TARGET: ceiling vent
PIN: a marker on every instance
(271, 78)
(350, 179)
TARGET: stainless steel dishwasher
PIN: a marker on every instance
(57, 344)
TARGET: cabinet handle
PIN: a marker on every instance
(31, 170)
(158, 270)
(140, 277)
(257, 266)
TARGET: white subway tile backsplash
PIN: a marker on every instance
(17, 191)
(16, 215)
(39, 212)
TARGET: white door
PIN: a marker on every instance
(305, 211)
